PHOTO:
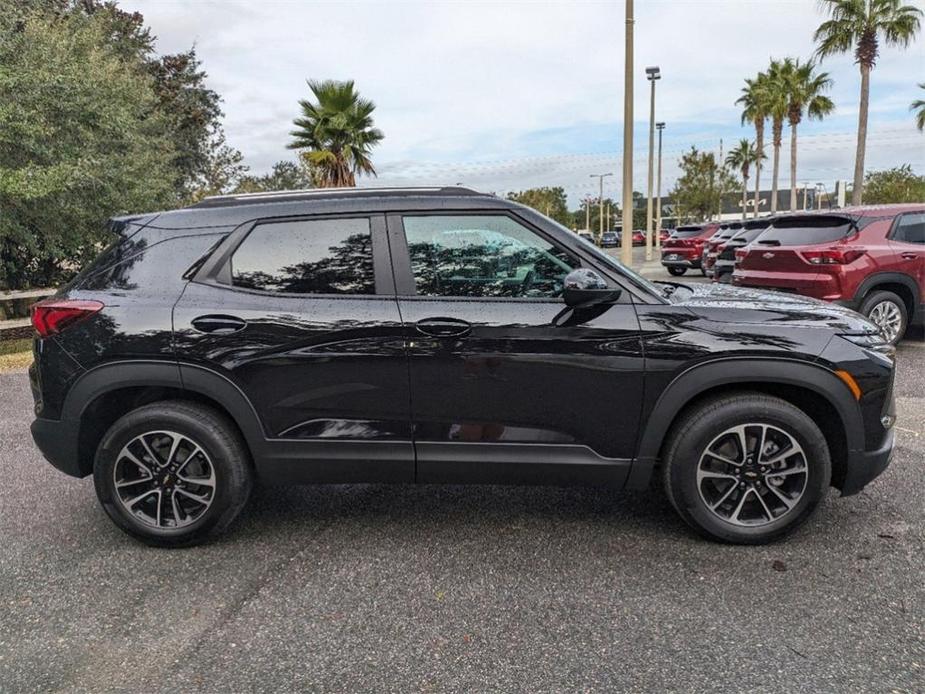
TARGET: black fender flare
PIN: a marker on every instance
(745, 371)
(871, 281)
(113, 376)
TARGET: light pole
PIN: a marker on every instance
(600, 201)
(652, 74)
(658, 193)
(588, 213)
(626, 244)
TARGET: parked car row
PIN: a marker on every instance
(612, 239)
(870, 259)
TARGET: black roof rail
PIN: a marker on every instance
(321, 193)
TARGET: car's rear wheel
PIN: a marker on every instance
(677, 271)
(888, 312)
(746, 468)
(172, 473)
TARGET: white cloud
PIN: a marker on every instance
(476, 81)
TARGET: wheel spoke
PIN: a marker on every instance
(132, 483)
(126, 453)
(759, 445)
(723, 498)
(785, 473)
(709, 474)
(150, 452)
(188, 458)
(195, 497)
(160, 503)
(176, 508)
(174, 445)
(787, 501)
(738, 509)
(132, 502)
(723, 459)
(764, 506)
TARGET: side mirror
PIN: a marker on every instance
(584, 287)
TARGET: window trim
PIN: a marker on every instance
(891, 235)
(406, 288)
(216, 271)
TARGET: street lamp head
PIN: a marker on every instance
(653, 73)
(660, 126)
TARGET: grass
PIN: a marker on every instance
(15, 354)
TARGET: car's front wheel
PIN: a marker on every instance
(172, 473)
(888, 312)
(677, 271)
(746, 468)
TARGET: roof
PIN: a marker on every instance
(329, 193)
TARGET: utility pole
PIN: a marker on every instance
(626, 243)
(719, 213)
(652, 74)
(588, 214)
(600, 201)
(658, 193)
(607, 225)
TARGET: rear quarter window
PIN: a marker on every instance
(807, 231)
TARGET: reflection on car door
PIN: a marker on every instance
(499, 391)
(302, 317)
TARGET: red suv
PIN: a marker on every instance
(871, 259)
(683, 250)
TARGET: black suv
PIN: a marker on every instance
(438, 336)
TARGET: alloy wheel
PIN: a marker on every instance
(752, 474)
(164, 479)
(888, 317)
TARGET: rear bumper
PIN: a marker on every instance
(57, 440)
(680, 259)
(865, 466)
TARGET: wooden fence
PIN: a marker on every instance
(15, 328)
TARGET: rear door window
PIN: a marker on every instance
(806, 231)
(320, 256)
(911, 229)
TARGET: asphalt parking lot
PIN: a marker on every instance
(377, 588)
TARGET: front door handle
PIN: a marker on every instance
(218, 324)
(443, 327)
(908, 255)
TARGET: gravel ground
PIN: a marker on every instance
(377, 588)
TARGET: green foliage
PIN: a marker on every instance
(918, 107)
(80, 140)
(548, 201)
(285, 175)
(894, 185)
(859, 25)
(742, 157)
(699, 188)
(336, 132)
(804, 89)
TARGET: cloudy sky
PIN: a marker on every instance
(508, 95)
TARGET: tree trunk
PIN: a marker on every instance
(793, 167)
(858, 189)
(759, 143)
(744, 197)
(775, 170)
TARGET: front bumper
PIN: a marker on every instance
(57, 440)
(863, 467)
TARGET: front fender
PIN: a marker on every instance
(745, 371)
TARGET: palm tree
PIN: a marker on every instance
(919, 107)
(756, 101)
(337, 132)
(859, 24)
(776, 93)
(804, 96)
(742, 158)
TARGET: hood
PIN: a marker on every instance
(725, 303)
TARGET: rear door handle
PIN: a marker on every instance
(909, 255)
(443, 327)
(218, 324)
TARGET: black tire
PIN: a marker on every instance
(876, 298)
(200, 425)
(699, 427)
(724, 278)
(676, 271)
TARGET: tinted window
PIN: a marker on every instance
(322, 256)
(801, 231)
(686, 232)
(482, 255)
(911, 228)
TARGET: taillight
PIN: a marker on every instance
(832, 256)
(51, 316)
(740, 255)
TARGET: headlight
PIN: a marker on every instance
(871, 341)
